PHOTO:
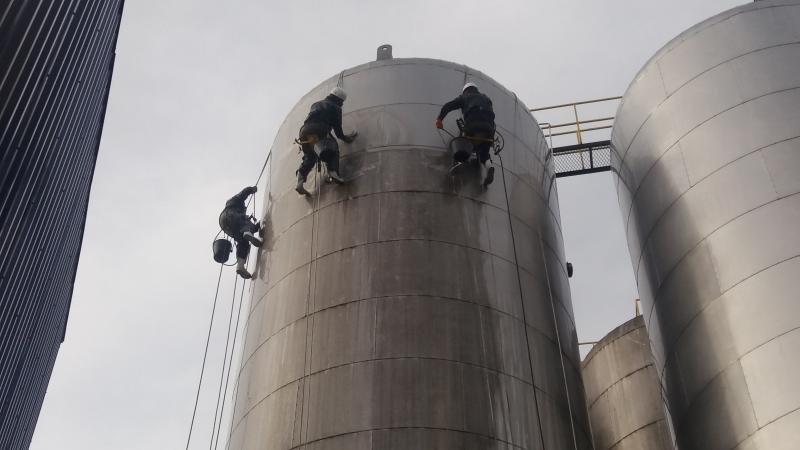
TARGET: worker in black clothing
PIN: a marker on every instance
(235, 222)
(478, 114)
(316, 140)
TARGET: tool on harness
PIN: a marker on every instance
(497, 143)
(312, 139)
(222, 249)
(319, 150)
(463, 147)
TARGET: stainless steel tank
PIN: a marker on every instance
(707, 142)
(409, 309)
(623, 392)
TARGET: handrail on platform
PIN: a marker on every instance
(578, 122)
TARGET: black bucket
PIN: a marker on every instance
(222, 250)
(462, 148)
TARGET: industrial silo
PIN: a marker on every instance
(707, 157)
(623, 393)
(407, 308)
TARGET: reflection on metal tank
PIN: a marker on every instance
(408, 309)
(707, 143)
(623, 392)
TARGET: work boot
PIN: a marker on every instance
(241, 270)
(253, 239)
(300, 188)
(334, 177)
(489, 177)
(455, 167)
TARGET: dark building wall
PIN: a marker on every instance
(56, 59)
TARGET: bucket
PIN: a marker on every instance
(222, 249)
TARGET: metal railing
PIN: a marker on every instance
(576, 129)
(579, 157)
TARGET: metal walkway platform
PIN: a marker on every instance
(580, 159)
(574, 156)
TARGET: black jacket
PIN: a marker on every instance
(328, 112)
(474, 107)
(236, 204)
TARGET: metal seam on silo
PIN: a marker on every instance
(322, 427)
(521, 300)
(302, 381)
(682, 320)
(558, 342)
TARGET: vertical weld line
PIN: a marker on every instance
(485, 353)
(519, 284)
(300, 399)
(310, 330)
(558, 342)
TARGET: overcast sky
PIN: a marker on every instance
(200, 88)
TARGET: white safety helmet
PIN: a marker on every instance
(469, 85)
(339, 92)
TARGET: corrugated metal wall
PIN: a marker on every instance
(56, 59)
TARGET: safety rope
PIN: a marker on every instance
(260, 174)
(558, 342)
(217, 412)
(230, 364)
(205, 355)
(224, 360)
(300, 400)
(519, 282)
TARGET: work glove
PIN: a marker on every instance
(252, 190)
(350, 137)
(439, 124)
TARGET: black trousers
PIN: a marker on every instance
(235, 224)
(478, 129)
(326, 145)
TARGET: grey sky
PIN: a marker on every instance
(200, 87)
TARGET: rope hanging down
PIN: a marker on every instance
(224, 360)
(205, 355)
(211, 327)
(230, 364)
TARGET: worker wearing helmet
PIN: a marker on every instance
(235, 222)
(476, 108)
(316, 140)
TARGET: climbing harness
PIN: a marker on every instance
(497, 141)
(319, 150)
(465, 143)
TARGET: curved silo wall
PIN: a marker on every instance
(623, 392)
(707, 143)
(409, 309)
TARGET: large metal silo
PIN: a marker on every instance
(623, 392)
(408, 309)
(707, 143)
